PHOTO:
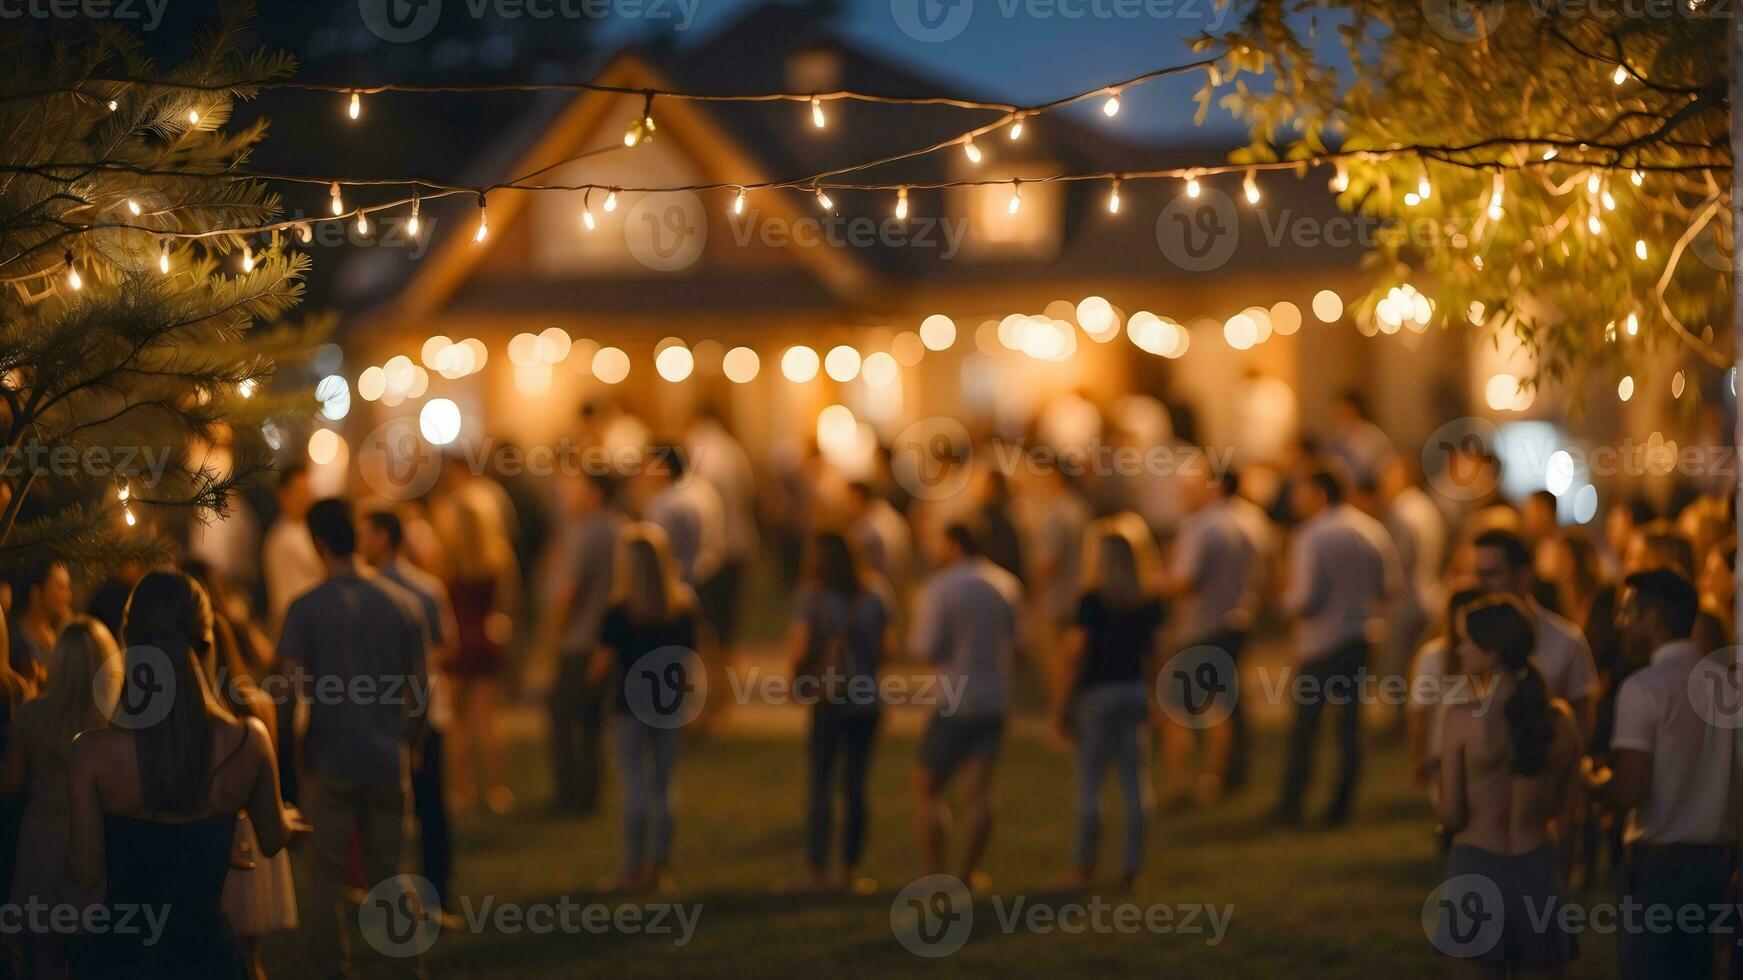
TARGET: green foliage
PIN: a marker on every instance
(141, 380)
(1473, 92)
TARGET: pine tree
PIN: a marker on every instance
(133, 399)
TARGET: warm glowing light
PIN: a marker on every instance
(1504, 393)
(74, 281)
(902, 204)
(880, 370)
(1250, 184)
(324, 446)
(1114, 197)
(127, 514)
(587, 217)
(1677, 383)
(1550, 153)
(1412, 199)
(356, 107)
(1424, 189)
(1625, 389)
(1016, 130)
(1593, 225)
(163, 258)
(799, 364)
(1016, 198)
(738, 202)
(1593, 183)
(1640, 249)
(483, 222)
(1111, 107)
(740, 365)
(247, 259)
(113, 105)
(1241, 331)
(413, 224)
(335, 397)
(439, 421)
(245, 387)
(817, 118)
(610, 365)
(908, 349)
(338, 202)
(611, 200)
(362, 223)
(1340, 180)
(193, 117)
(552, 345)
(938, 332)
(1497, 188)
(837, 429)
(1620, 75)
(823, 200)
(1192, 187)
(971, 151)
(675, 363)
(1328, 306)
(372, 383)
(133, 206)
(1637, 177)
(842, 364)
(1285, 318)
(1632, 325)
(1097, 318)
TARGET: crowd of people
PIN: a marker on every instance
(163, 749)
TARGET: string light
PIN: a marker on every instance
(817, 118)
(1016, 197)
(1632, 325)
(641, 129)
(1499, 188)
(1637, 177)
(1593, 183)
(247, 258)
(1593, 225)
(73, 280)
(901, 204)
(1550, 153)
(1111, 107)
(127, 514)
(133, 206)
(1640, 249)
(1424, 189)
(1620, 75)
(356, 108)
(586, 210)
(362, 223)
(970, 150)
(1340, 181)
(1191, 186)
(411, 226)
(1016, 130)
(113, 105)
(823, 199)
(483, 221)
(163, 257)
(338, 202)
(611, 200)
(738, 202)
(123, 492)
(1114, 197)
(193, 117)
(1609, 201)
(1250, 184)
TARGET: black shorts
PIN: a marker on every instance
(952, 740)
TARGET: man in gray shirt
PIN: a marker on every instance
(1341, 566)
(966, 623)
(584, 561)
(354, 648)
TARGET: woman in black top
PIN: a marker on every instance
(648, 640)
(1103, 706)
(840, 631)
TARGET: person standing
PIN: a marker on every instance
(721, 462)
(353, 632)
(881, 536)
(43, 603)
(585, 563)
(1215, 566)
(1509, 760)
(840, 631)
(1341, 566)
(1103, 702)
(1674, 755)
(382, 544)
(1419, 536)
(965, 623)
(654, 624)
(483, 583)
(287, 555)
(1502, 563)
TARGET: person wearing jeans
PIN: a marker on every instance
(1105, 707)
(1341, 567)
(645, 755)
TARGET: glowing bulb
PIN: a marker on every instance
(1016, 198)
(611, 200)
(113, 105)
(73, 279)
(738, 202)
(483, 222)
(1550, 153)
(1593, 225)
(1592, 184)
(1637, 177)
(971, 151)
(356, 108)
(1111, 107)
(1411, 199)
(127, 512)
(1340, 181)
(1016, 130)
(1192, 187)
(163, 258)
(587, 217)
(133, 206)
(411, 226)
(123, 493)
(1114, 197)
(1250, 184)
(193, 117)
(1640, 249)
(1632, 325)
(902, 204)
(1423, 187)
(1625, 388)
(817, 118)
(305, 232)
(245, 387)
(247, 259)
(338, 202)
(1620, 75)
(823, 200)
(1500, 186)
(1609, 201)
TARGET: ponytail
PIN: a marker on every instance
(1501, 627)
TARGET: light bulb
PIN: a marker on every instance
(738, 202)
(1609, 201)
(1340, 181)
(1632, 324)
(193, 117)
(902, 204)
(133, 206)
(1593, 225)
(127, 512)
(412, 226)
(483, 222)
(113, 105)
(1593, 183)
(1424, 189)
(817, 118)
(305, 232)
(1016, 130)
(1640, 249)
(163, 258)
(1114, 197)
(587, 217)
(1620, 75)
(73, 279)
(611, 200)
(1111, 107)
(337, 200)
(247, 259)
(1250, 184)
(639, 130)
(1550, 153)
(1016, 198)
(356, 108)
(971, 151)
(1499, 185)
(1192, 187)
(824, 201)
(362, 223)
(1411, 199)
(123, 492)
(1637, 177)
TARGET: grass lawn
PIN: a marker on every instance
(1308, 904)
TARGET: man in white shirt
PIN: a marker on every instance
(287, 556)
(881, 535)
(1674, 751)
(1420, 538)
(1502, 563)
(1341, 566)
(689, 510)
(965, 623)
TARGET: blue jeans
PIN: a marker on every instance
(1110, 720)
(644, 765)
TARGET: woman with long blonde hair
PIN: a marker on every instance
(84, 682)
(1102, 703)
(649, 640)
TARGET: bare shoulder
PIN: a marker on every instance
(1460, 717)
(98, 749)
